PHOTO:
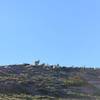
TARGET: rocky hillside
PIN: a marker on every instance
(52, 81)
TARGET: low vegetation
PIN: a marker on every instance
(48, 82)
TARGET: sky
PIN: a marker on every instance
(55, 31)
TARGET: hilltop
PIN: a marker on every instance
(48, 82)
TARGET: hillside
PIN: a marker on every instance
(48, 82)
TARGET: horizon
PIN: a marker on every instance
(40, 63)
(56, 31)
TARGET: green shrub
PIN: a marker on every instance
(74, 82)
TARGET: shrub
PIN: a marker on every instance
(75, 81)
